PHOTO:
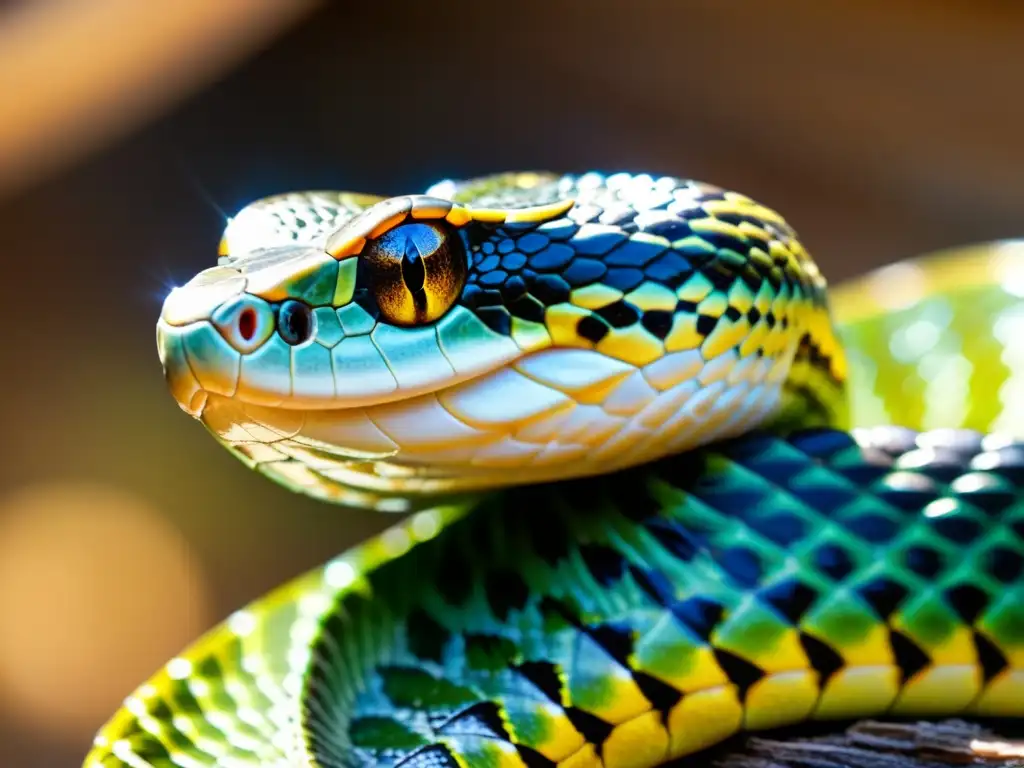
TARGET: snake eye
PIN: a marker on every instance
(295, 322)
(416, 272)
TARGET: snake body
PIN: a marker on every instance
(615, 408)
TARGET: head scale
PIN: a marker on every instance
(512, 329)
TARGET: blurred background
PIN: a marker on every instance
(128, 131)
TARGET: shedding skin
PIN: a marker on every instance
(717, 554)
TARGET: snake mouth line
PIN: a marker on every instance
(192, 386)
(364, 366)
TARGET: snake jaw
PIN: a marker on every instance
(564, 413)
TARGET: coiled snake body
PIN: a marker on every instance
(614, 407)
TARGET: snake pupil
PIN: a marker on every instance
(247, 324)
(413, 271)
(295, 322)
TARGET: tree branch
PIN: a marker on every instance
(872, 744)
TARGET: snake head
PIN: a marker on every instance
(367, 315)
(371, 351)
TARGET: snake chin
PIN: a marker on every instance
(197, 404)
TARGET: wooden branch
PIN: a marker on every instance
(872, 744)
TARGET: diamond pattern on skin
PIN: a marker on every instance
(626, 585)
(602, 618)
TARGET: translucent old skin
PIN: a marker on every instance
(615, 407)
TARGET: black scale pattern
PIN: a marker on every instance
(810, 528)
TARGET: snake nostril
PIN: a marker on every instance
(244, 322)
(247, 323)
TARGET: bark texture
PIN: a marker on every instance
(873, 744)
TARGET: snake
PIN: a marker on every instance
(655, 483)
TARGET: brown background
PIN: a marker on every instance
(880, 129)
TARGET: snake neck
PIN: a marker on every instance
(816, 392)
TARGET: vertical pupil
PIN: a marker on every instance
(421, 241)
(247, 324)
(413, 271)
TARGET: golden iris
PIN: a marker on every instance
(416, 272)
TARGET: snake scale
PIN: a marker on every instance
(614, 408)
